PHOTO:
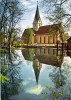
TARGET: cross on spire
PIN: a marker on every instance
(37, 2)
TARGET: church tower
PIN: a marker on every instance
(37, 20)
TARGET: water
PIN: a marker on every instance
(36, 74)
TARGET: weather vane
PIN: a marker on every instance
(37, 2)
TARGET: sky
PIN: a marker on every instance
(28, 17)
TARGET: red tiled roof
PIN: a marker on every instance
(48, 29)
(42, 30)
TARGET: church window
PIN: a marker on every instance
(48, 39)
(44, 39)
(40, 39)
(53, 40)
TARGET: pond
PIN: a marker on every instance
(36, 74)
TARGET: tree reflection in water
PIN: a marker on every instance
(61, 78)
(10, 60)
(58, 77)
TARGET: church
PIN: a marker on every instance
(43, 35)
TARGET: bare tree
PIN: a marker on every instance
(11, 13)
(58, 10)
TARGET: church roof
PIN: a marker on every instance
(48, 29)
(37, 16)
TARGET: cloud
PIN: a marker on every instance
(44, 20)
(25, 2)
(31, 6)
(25, 83)
(31, 79)
(35, 90)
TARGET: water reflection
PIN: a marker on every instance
(37, 67)
(31, 70)
(8, 59)
(58, 76)
(46, 56)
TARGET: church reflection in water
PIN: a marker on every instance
(42, 55)
(37, 67)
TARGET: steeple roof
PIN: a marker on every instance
(37, 16)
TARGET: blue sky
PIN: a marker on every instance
(28, 17)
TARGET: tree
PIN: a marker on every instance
(28, 36)
(58, 11)
(11, 13)
(1, 39)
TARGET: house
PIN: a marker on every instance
(43, 35)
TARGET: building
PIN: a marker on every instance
(42, 35)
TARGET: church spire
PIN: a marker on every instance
(37, 16)
(37, 20)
